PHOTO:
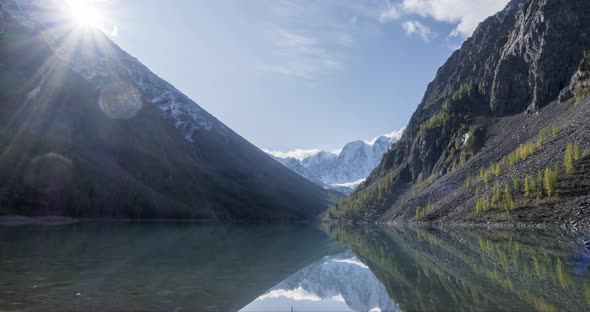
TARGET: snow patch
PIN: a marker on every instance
(395, 135)
(353, 261)
(299, 154)
(297, 294)
(466, 137)
(345, 168)
(33, 94)
(106, 62)
(351, 184)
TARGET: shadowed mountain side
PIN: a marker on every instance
(88, 131)
(152, 267)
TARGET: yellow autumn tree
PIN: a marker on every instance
(549, 182)
(496, 193)
(508, 201)
(569, 159)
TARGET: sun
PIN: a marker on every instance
(85, 13)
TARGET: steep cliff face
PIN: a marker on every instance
(517, 61)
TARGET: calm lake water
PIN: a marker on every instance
(188, 267)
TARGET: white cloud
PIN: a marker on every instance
(467, 14)
(391, 12)
(299, 55)
(416, 28)
(297, 153)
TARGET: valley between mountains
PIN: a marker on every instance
(501, 136)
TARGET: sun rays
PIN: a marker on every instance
(85, 14)
(71, 38)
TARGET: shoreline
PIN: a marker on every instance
(16, 220)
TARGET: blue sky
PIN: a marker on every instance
(298, 74)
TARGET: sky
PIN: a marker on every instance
(297, 74)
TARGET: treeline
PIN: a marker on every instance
(364, 200)
(422, 213)
(444, 117)
(535, 187)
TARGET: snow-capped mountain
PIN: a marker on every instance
(335, 283)
(342, 170)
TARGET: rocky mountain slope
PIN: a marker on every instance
(491, 117)
(88, 131)
(344, 170)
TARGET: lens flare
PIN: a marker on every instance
(119, 101)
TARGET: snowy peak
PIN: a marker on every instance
(93, 110)
(124, 80)
(345, 169)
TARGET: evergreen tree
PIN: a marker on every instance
(527, 186)
(508, 201)
(516, 183)
(497, 170)
(549, 182)
(554, 131)
(568, 159)
(539, 183)
(496, 193)
(486, 204)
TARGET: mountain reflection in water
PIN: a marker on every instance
(334, 283)
(430, 269)
(189, 267)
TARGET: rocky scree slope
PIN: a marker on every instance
(88, 131)
(492, 95)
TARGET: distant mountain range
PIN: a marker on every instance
(89, 131)
(342, 170)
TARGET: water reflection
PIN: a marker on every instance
(432, 269)
(335, 283)
(150, 267)
(174, 267)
